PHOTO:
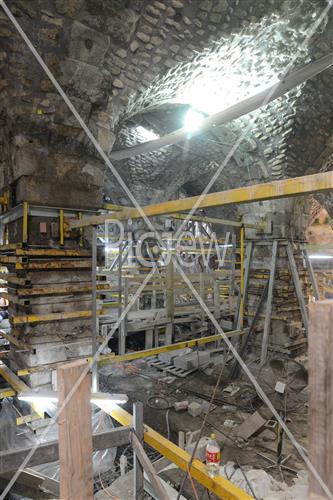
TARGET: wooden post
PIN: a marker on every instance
(75, 434)
(321, 394)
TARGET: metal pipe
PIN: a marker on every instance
(61, 226)
(138, 469)
(94, 308)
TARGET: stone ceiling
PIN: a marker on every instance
(112, 56)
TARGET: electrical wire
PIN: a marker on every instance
(192, 484)
(203, 423)
(167, 423)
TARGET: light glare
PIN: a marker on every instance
(193, 120)
(320, 256)
(47, 397)
(147, 135)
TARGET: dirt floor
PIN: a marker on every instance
(159, 391)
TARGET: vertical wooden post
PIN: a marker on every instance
(75, 434)
(321, 394)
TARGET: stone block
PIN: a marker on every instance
(251, 425)
(39, 192)
(194, 409)
(84, 78)
(88, 45)
(168, 357)
(193, 360)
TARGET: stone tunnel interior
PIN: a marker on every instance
(166, 249)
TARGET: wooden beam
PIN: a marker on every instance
(321, 394)
(297, 186)
(75, 434)
(154, 480)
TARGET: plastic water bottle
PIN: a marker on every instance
(213, 456)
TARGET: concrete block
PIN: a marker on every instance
(194, 409)
(201, 448)
(193, 360)
(251, 425)
(168, 357)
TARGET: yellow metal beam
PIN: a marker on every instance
(36, 318)
(103, 360)
(297, 186)
(61, 226)
(218, 485)
(7, 393)
(114, 208)
(18, 385)
(25, 222)
(110, 359)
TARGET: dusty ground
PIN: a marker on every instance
(144, 383)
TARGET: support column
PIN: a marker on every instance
(321, 394)
(75, 433)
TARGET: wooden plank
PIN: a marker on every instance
(53, 290)
(321, 394)
(59, 264)
(75, 434)
(11, 460)
(46, 252)
(154, 480)
(33, 318)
